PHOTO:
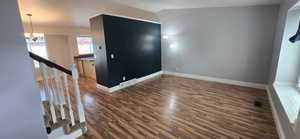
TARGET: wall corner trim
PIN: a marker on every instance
(275, 115)
(219, 80)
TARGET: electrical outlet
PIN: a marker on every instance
(124, 78)
(112, 56)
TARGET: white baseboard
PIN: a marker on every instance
(275, 115)
(150, 76)
(135, 81)
(220, 80)
(101, 87)
(128, 83)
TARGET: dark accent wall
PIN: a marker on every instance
(135, 44)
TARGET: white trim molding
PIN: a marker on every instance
(128, 83)
(275, 115)
(220, 80)
(129, 17)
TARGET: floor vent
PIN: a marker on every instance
(257, 104)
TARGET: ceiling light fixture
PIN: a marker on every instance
(31, 35)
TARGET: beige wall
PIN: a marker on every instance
(57, 50)
(61, 41)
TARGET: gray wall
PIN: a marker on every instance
(20, 112)
(230, 43)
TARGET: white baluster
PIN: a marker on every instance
(43, 109)
(80, 109)
(60, 93)
(69, 100)
(49, 95)
(43, 71)
(53, 88)
(45, 92)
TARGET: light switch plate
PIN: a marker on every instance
(112, 56)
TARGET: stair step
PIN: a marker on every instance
(74, 128)
(77, 126)
(60, 123)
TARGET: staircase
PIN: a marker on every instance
(62, 120)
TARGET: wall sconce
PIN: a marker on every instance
(165, 37)
(169, 43)
(172, 46)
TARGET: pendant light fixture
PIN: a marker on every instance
(31, 35)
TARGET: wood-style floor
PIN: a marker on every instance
(171, 107)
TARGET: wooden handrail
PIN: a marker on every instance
(83, 56)
(49, 63)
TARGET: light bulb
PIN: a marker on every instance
(165, 37)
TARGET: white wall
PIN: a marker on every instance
(275, 69)
(288, 66)
(233, 43)
(20, 112)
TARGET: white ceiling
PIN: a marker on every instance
(158, 5)
(74, 12)
(78, 12)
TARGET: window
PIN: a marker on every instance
(37, 47)
(85, 45)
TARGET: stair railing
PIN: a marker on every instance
(57, 106)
